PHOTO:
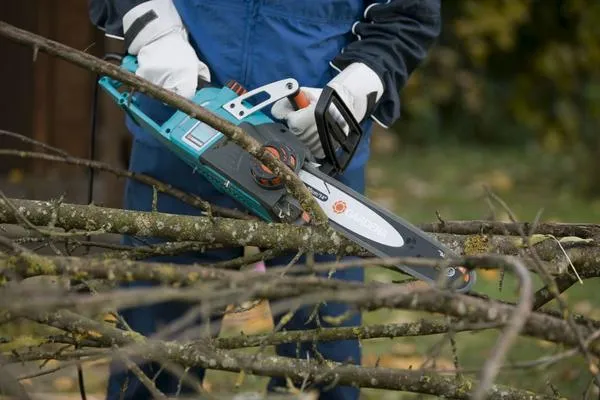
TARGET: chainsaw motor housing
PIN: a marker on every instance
(222, 162)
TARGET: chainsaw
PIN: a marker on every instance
(236, 173)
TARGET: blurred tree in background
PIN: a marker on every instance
(513, 73)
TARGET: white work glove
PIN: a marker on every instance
(165, 56)
(353, 84)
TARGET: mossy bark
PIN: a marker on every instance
(313, 290)
(422, 327)
(282, 237)
(232, 232)
(475, 227)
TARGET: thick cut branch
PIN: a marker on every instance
(585, 256)
(180, 227)
(281, 237)
(117, 270)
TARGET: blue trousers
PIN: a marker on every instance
(163, 165)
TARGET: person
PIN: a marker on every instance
(365, 50)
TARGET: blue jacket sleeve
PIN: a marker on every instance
(393, 38)
(108, 14)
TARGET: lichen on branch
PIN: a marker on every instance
(234, 232)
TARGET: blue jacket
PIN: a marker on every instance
(259, 41)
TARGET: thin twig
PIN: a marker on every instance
(29, 140)
(551, 284)
(511, 332)
(190, 199)
(147, 382)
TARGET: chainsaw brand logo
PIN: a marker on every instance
(319, 195)
(339, 207)
(366, 223)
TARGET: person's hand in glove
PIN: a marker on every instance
(358, 86)
(155, 34)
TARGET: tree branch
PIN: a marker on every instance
(475, 227)
(233, 132)
(276, 236)
(162, 187)
(423, 327)
(202, 354)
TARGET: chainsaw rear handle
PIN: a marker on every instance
(338, 154)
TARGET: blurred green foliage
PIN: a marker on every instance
(516, 73)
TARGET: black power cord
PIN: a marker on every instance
(92, 149)
(90, 191)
